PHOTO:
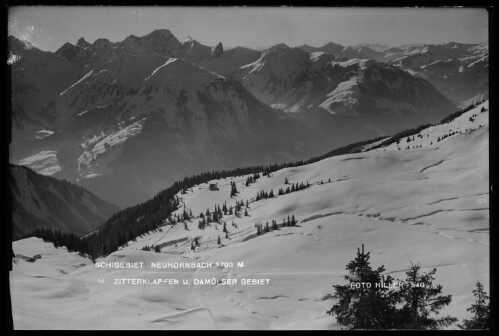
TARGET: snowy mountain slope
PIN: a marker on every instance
(430, 137)
(40, 201)
(428, 205)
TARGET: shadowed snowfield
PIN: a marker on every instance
(428, 205)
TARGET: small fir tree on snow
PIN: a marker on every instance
(364, 308)
(233, 190)
(157, 248)
(246, 212)
(422, 299)
(226, 234)
(218, 241)
(286, 181)
(481, 309)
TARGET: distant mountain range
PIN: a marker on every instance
(126, 119)
(457, 70)
(344, 99)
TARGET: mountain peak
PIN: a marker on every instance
(164, 34)
(82, 43)
(217, 50)
(280, 46)
(68, 51)
(101, 43)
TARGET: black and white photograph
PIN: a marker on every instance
(249, 168)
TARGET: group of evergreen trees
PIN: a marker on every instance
(373, 300)
(261, 229)
(294, 187)
(262, 194)
(252, 179)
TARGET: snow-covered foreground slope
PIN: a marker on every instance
(428, 205)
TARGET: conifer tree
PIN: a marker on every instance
(362, 304)
(274, 225)
(481, 309)
(422, 299)
(233, 190)
(218, 241)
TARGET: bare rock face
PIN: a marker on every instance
(217, 50)
(82, 43)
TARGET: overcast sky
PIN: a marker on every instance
(48, 28)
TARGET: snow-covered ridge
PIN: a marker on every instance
(434, 136)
